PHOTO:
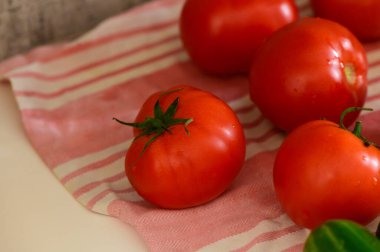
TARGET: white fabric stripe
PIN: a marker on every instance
(239, 240)
(50, 86)
(269, 144)
(282, 243)
(99, 174)
(130, 21)
(249, 116)
(373, 72)
(240, 102)
(88, 196)
(373, 56)
(130, 196)
(260, 130)
(102, 205)
(54, 103)
(375, 105)
(66, 168)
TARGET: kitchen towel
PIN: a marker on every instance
(68, 93)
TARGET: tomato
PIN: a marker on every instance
(322, 171)
(307, 70)
(222, 36)
(361, 17)
(189, 146)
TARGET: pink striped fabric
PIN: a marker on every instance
(68, 94)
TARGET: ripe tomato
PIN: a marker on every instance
(324, 172)
(310, 69)
(361, 17)
(221, 36)
(189, 147)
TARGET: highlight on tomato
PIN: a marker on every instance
(307, 70)
(323, 171)
(361, 17)
(189, 146)
(222, 36)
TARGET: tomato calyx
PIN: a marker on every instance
(357, 131)
(158, 124)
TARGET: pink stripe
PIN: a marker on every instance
(372, 98)
(246, 108)
(126, 190)
(373, 81)
(97, 198)
(95, 184)
(255, 122)
(373, 64)
(40, 76)
(93, 166)
(267, 237)
(268, 134)
(103, 40)
(98, 78)
(22, 60)
(295, 248)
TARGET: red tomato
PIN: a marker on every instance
(198, 148)
(362, 17)
(308, 70)
(324, 172)
(222, 36)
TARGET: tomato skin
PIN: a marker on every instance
(361, 17)
(222, 36)
(302, 73)
(178, 170)
(324, 172)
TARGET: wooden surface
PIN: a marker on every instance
(25, 24)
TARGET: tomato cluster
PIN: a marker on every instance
(300, 70)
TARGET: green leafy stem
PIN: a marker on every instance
(161, 122)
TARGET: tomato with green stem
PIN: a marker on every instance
(189, 146)
(323, 171)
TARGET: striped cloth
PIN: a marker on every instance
(68, 93)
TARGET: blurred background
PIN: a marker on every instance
(25, 24)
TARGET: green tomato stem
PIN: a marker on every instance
(161, 122)
(357, 131)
